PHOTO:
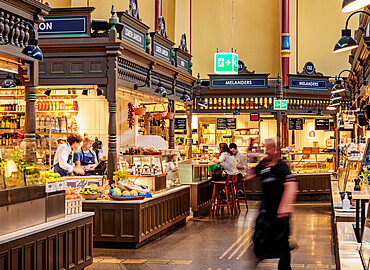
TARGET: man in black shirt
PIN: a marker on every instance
(271, 237)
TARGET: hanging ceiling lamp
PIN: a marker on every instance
(8, 82)
(352, 5)
(338, 87)
(335, 97)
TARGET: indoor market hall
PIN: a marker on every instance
(184, 134)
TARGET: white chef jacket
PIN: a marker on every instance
(62, 155)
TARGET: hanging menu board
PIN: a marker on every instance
(226, 123)
(322, 124)
(180, 123)
(295, 123)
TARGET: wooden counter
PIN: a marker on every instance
(64, 243)
(200, 196)
(134, 222)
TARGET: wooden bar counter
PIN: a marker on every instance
(134, 222)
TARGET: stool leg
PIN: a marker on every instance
(213, 200)
(237, 197)
(245, 196)
(227, 200)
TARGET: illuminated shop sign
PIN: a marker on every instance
(162, 51)
(308, 84)
(134, 36)
(64, 26)
(238, 83)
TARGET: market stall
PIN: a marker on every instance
(35, 229)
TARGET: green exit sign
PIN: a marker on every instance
(226, 63)
(280, 104)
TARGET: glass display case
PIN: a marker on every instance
(193, 171)
(347, 172)
(311, 162)
(157, 172)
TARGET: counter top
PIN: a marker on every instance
(360, 194)
(43, 227)
(155, 196)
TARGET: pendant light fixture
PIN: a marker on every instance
(338, 87)
(185, 96)
(335, 97)
(202, 102)
(8, 82)
(352, 5)
(347, 42)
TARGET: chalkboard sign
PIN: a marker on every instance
(180, 123)
(322, 124)
(295, 123)
(226, 123)
(366, 157)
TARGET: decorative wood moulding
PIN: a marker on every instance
(133, 30)
(309, 79)
(182, 57)
(161, 47)
(30, 10)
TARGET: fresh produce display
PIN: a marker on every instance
(89, 190)
(51, 177)
(120, 175)
(71, 194)
(126, 189)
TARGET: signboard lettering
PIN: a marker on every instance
(308, 84)
(64, 26)
(226, 123)
(162, 51)
(238, 83)
(182, 63)
(322, 124)
(134, 36)
(295, 123)
(180, 123)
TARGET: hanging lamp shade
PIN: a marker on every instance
(352, 5)
(346, 42)
(8, 82)
(338, 87)
(202, 102)
(335, 97)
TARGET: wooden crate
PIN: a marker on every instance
(73, 206)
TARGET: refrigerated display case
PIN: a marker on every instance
(311, 162)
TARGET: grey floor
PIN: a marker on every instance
(221, 243)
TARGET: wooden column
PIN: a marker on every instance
(285, 43)
(171, 130)
(30, 124)
(189, 134)
(147, 123)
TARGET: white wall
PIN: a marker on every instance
(93, 117)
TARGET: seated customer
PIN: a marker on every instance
(86, 157)
(241, 161)
(226, 160)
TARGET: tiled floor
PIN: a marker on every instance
(221, 244)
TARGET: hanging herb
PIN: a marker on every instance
(130, 115)
(163, 123)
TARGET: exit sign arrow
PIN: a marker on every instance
(226, 63)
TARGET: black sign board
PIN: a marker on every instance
(226, 123)
(162, 51)
(180, 123)
(238, 82)
(314, 84)
(182, 63)
(322, 124)
(62, 26)
(295, 123)
(133, 36)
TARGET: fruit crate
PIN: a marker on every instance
(73, 206)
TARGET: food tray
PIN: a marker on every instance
(126, 198)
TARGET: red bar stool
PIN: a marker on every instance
(218, 188)
(245, 194)
(234, 192)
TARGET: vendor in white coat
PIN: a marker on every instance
(63, 162)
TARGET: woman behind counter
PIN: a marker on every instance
(86, 157)
(63, 156)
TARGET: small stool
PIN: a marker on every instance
(234, 192)
(245, 195)
(218, 187)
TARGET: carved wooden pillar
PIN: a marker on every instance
(171, 130)
(30, 124)
(189, 133)
(112, 139)
(147, 124)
